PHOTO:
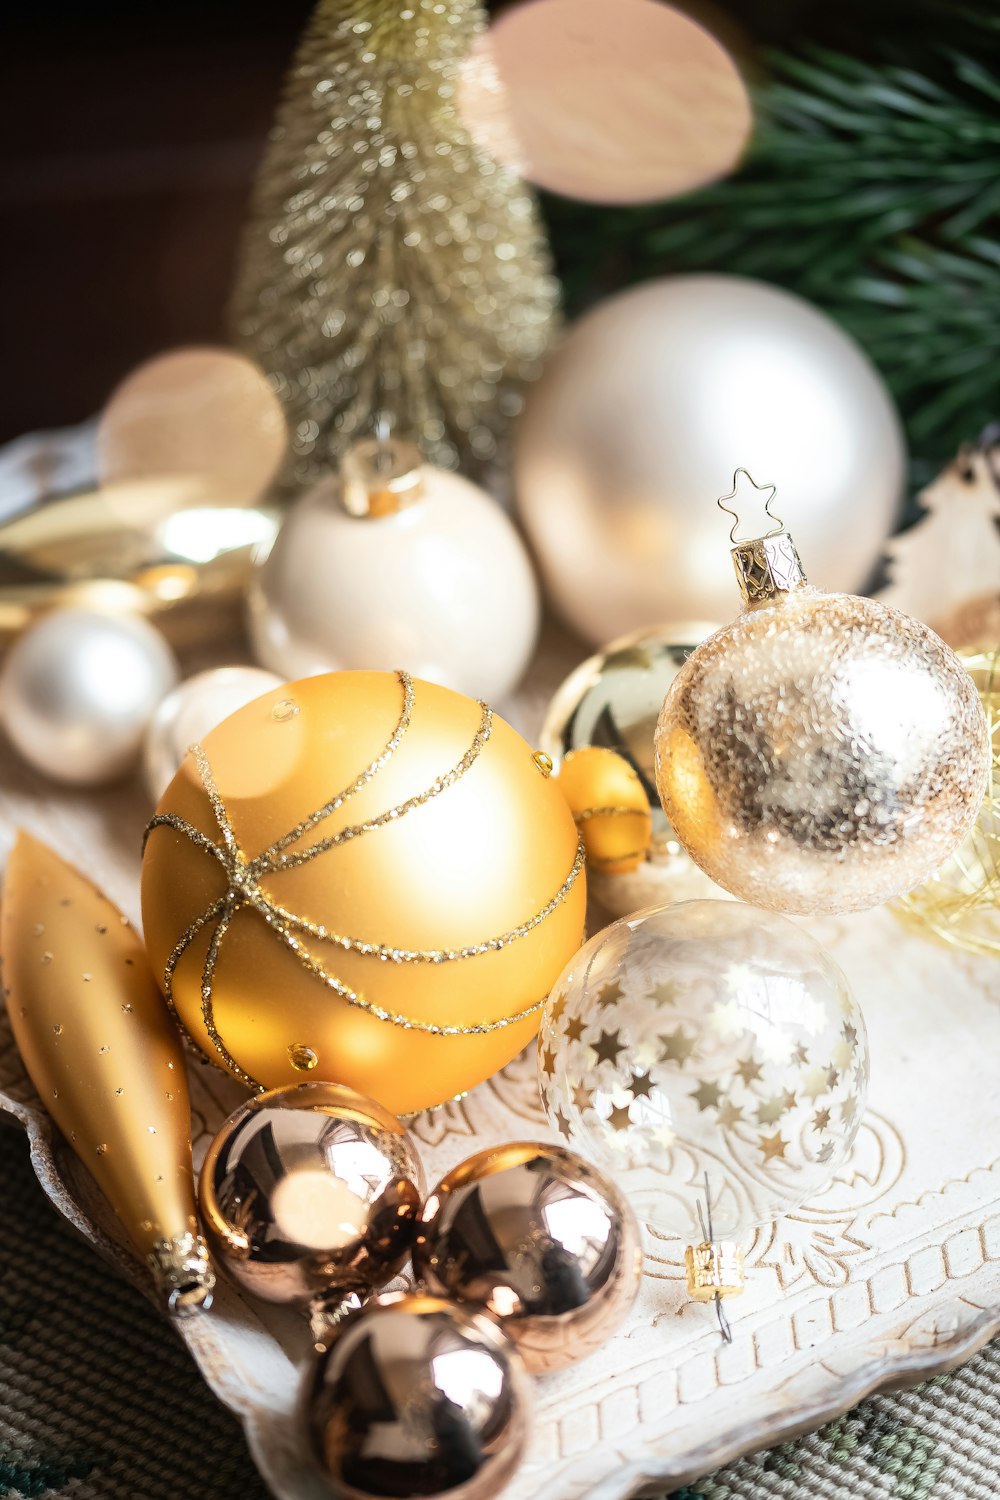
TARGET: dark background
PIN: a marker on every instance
(129, 135)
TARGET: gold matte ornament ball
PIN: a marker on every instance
(365, 879)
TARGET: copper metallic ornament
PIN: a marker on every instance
(99, 1046)
(371, 868)
(539, 1238)
(417, 1397)
(311, 1190)
(824, 752)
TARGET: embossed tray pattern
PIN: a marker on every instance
(890, 1275)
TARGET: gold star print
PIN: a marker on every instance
(821, 1119)
(843, 1055)
(771, 1111)
(581, 1097)
(825, 1151)
(574, 1029)
(773, 1146)
(665, 993)
(789, 1098)
(801, 1054)
(677, 1046)
(848, 1109)
(832, 1077)
(562, 1124)
(641, 1086)
(608, 1046)
(619, 1118)
(730, 1114)
(707, 1094)
(548, 1062)
(816, 1083)
(726, 1017)
(664, 1136)
(609, 994)
(849, 1032)
(749, 1070)
(557, 1007)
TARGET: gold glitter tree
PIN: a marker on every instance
(392, 272)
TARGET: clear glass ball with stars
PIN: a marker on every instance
(712, 1058)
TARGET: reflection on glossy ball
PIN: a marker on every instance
(417, 1397)
(711, 1058)
(539, 1238)
(821, 754)
(310, 1188)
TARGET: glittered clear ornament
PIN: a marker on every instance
(712, 1059)
(823, 753)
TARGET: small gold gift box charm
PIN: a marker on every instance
(714, 1270)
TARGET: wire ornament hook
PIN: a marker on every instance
(720, 1312)
(770, 489)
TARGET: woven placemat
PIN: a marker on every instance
(99, 1401)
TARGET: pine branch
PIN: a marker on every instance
(873, 190)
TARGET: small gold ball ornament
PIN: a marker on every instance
(823, 753)
(598, 732)
(311, 1190)
(369, 869)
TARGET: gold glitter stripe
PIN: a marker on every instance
(181, 825)
(177, 953)
(609, 812)
(421, 955)
(207, 999)
(393, 814)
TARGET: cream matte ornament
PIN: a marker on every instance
(622, 437)
(78, 690)
(823, 753)
(395, 563)
(188, 713)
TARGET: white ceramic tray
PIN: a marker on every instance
(893, 1274)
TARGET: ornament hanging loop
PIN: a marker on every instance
(770, 490)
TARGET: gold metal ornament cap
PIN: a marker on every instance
(714, 1269)
(767, 565)
(379, 476)
(183, 1273)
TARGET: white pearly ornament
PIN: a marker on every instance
(393, 563)
(78, 689)
(188, 713)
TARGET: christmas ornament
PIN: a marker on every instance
(390, 266)
(629, 104)
(364, 875)
(108, 1065)
(711, 1058)
(621, 440)
(609, 806)
(78, 689)
(188, 713)
(946, 568)
(418, 1397)
(396, 563)
(824, 752)
(208, 414)
(541, 1240)
(605, 714)
(311, 1193)
(961, 901)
